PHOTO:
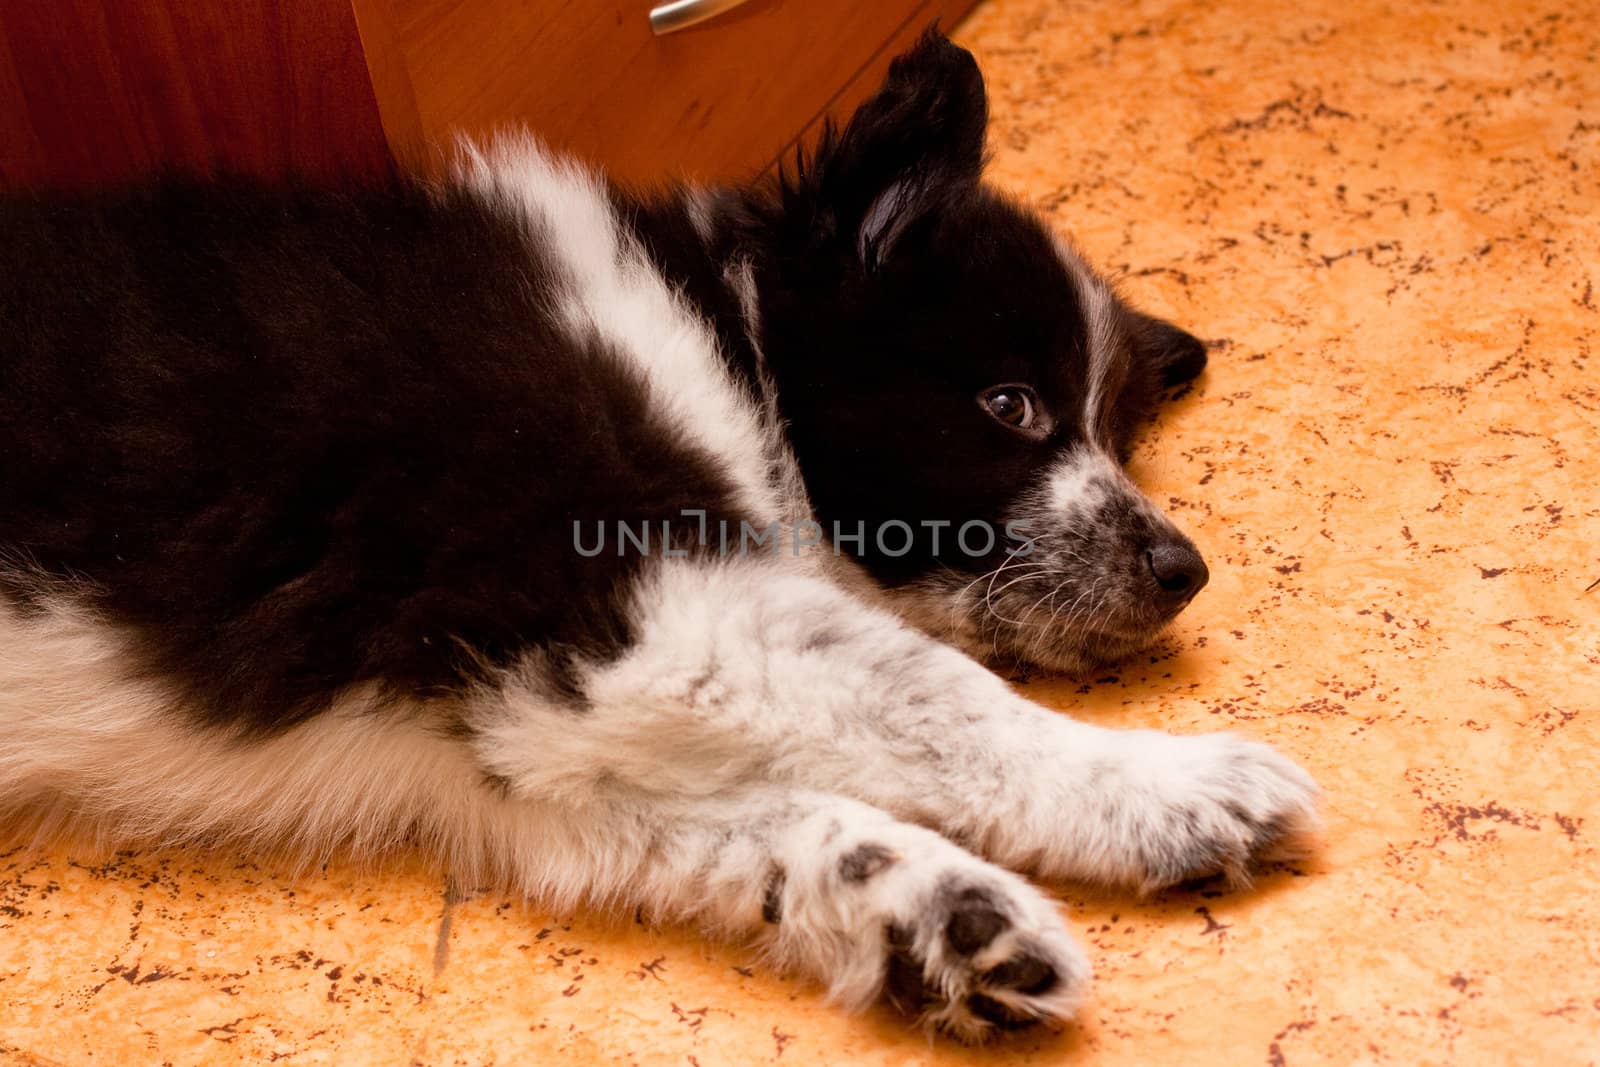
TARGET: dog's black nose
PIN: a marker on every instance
(1178, 570)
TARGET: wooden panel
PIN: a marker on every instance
(92, 90)
(391, 82)
(717, 100)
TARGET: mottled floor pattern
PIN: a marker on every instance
(1386, 218)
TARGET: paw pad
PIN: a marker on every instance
(974, 922)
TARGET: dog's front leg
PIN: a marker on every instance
(743, 673)
(872, 906)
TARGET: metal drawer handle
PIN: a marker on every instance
(681, 14)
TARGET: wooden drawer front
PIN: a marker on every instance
(723, 98)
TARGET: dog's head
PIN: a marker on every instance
(961, 388)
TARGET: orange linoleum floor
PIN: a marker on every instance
(1386, 218)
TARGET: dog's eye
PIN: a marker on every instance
(1015, 405)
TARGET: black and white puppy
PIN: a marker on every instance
(623, 550)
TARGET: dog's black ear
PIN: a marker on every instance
(1162, 356)
(916, 144)
(1170, 356)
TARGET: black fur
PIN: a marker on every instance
(1162, 357)
(300, 440)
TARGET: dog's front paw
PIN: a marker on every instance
(983, 958)
(1213, 804)
(897, 913)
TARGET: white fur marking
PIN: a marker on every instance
(698, 203)
(617, 294)
(1099, 311)
(1077, 482)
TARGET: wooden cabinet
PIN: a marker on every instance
(94, 90)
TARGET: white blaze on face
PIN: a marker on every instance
(1099, 306)
(1087, 479)
(1080, 481)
